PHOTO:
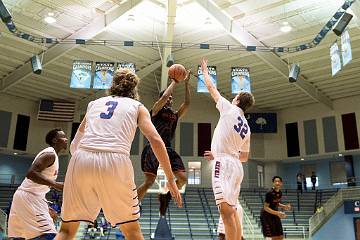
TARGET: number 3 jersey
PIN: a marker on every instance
(111, 123)
(232, 132)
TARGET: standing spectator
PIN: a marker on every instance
(313, 180)
(304, 182)
(299, 182)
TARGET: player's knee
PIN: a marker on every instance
(181, 178)
(227, 212)
(149, 181)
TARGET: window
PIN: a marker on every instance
(194, 173)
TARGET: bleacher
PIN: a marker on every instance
(296, 224)
(198, 218)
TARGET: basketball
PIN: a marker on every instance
(177, 72)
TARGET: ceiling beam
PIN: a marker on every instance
(355, 7)
(169, 37)
(54, 52)
(241, 35)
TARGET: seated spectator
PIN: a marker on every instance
(91, 231)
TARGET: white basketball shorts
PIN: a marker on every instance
(100, 180)
(29, 216)
(227, 175)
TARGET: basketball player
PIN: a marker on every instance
(270, 215)
(165, 119)
(230, 146)
(29, 214)
(221, 229)
(100, 174)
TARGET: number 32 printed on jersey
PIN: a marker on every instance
(241, 128)
(110, 111)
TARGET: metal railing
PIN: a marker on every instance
(330, 207)
(295, 228)
(250, 225)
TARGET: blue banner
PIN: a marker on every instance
(262, 122)
(81, 74)
(335, 59)
(346, 48)
(201, 87)
(103, 75)
(240, 80)
(127, 65)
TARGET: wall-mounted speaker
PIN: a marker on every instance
(36, 64)
(4, 13)
(343, 22)
(294, 72)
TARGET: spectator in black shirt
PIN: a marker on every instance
(270, 215)
(313, 180)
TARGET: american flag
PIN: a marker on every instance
(50, 110)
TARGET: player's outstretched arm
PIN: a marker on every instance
(185, 105)
(78, 136)
(209, 84)
(45, 160)
(158, 146)
(159, 104)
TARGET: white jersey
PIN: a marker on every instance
(232, 132)
(50, 173)
(111, 123)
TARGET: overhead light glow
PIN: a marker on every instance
(302, 159)
(286, 27)
(50, 19)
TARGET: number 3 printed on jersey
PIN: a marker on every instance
(110, 111)
(241, 128)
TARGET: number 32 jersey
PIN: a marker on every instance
(232, 132)
(111, 123)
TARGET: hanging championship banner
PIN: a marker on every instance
(240, 80)
(346, 48)
(103, 75)
(127, 65)
(335, 59)
(201, 87)
(81, 74)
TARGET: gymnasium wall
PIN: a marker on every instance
(275, 144)
(37, 129)
(339, 226)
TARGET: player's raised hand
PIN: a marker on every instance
(187, 78)
(208, 155)
(171, 185)
(204, 68)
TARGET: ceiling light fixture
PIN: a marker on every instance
(50, 18)
(286, 27)
(131, 17)
(208, 21)
(302, 159)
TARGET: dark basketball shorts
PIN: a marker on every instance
(271, 224)
(150, 164)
